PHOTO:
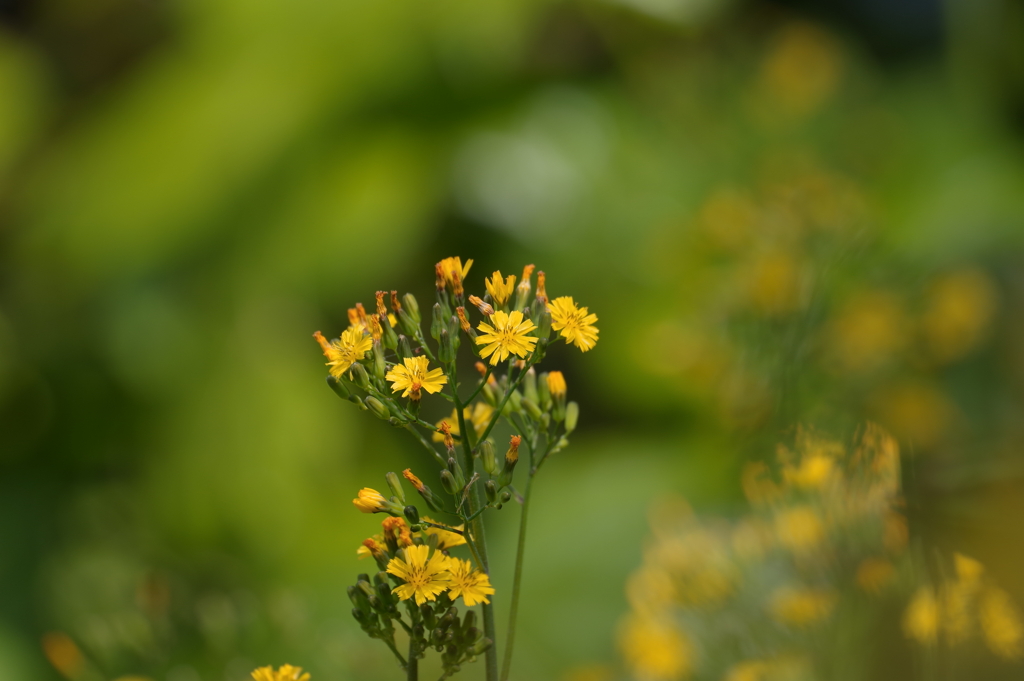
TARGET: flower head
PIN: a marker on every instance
(508, 335)
(479, 415)
(452, 270)
(500, 290)
(413, 375)
(425, 577)
(446, 539)
(576, 325)
(556, 384)
(372, 546)
(369, 500)
(285, 673)
(346, 351)
(473, 585)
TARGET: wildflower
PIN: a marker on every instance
(479, 415)
(472, 585)
(285, 673)
(500, 290)
(446, 539)
(799, 528)
(921, 618)
(397, 530)
(453, 270)
(512, 455)
(425, 577)
(343, 353)
(575, 324)
(524, 286)
(445, 429)
(416, 482)
(813, 472)
(414, 375)
(369, 500)
(508, 335)
(802, 607)
(542, 291)
(395, 304)
(485, 308)
(1000, 624)
(371, 547)
(382, 309)
(463, 322)
(556, 384)
(655, 648)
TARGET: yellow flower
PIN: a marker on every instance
(801, 607)
(799, 528)
(414, 375)
(506, 336)
(556, 384)
(343, 353)
(424, 577)
(285, 673)
(373, 546)
(473, 585)
(450, 267)
(921, 618)
(500, 290)
(655, 648)
(479, 415)
(445, 539)
(369, 500)
(1001, 623)
(575, 324)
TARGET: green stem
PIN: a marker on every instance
(423, 441)
(477, 526)
(480, 387)
(413, 667)
(516, 581)
(394, 649)
(508, 394)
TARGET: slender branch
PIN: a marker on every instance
(413, 668)
(510, 637)
(391, 644)
(423, 441)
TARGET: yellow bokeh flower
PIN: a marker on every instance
(346, 351)
(802, 607)
(508, 335)
(285, 673)
(799, 528)
(655, 648)
(1001, 624)
(369, 500)
(425, 577)
(574, 323)
(500, 290)
(445, 538)
(921, 618)
(472, 585)
(413, 376)
(479, 415)
(452, 268)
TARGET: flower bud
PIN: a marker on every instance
(456, 471)
(453, 331)
(544, 392)
(543, 322)
(377, 407)
(485, 308)
(436, 321)
(390, 338)
(396, 486)
(338, 387)
(530, 386)
(515, 403)
(506, 497)
(359, 376)
(379, 367)
(408, 325)
(404, 349)
(448, 482)
(572, 415)
(532, 409)
(412, 514)
(487, 457)
(428, 496)
(523, 290)
(446, 349)
(481, 646)
(491, 490)
(412, 307)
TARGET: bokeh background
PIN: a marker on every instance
(782, 212)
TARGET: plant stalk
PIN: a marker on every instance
(513, 612)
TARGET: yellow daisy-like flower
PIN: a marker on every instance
(500, 290)
(371, 547)
(473, 585)
(424, 578)
(445, 539)
(453, 266)
(479, 415)
(414, 375)
(346, 351)
(506, 336)
(285, 673)
(576, 325)
(556, 384)
(369, 500)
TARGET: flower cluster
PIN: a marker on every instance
(384, 363)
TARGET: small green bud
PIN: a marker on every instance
(412, 515)
(409, 302)
(506, 496)
(436, 322)
(515, 401)
(491, 490)
(359, 615)
(572, 415)
(532, 409)
(359, 376)
(448, 482)
(390, 337)
(338, 387)
(488, 458)
(481, 646)
(377, 407)
(468, 623)
(396, 486)
(543, 325)
(446, 349)
(456, 471)
(544, 392)
(406, 323)
(404, 347)
(379, 367)
(530, 386)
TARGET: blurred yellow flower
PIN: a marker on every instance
(424, 577)
(921, 618)
(472, 585)
(574, 323)
(556, 383)
(655, 648)
(412, 375)
(799, 528)
(500, 290)
(479, 415)
(346, 351)
(445, 539)
(959, 309)
(285, 673)
(801, 606)
(1001, 623)
(508, 335)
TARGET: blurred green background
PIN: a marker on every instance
(782, 213)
